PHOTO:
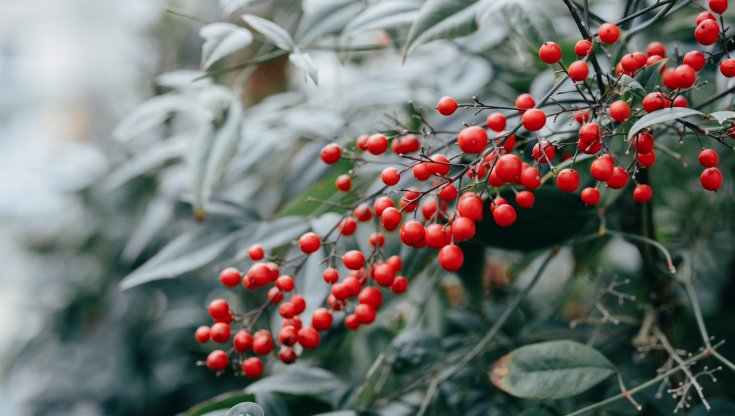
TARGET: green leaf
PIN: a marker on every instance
(473, 270)
(661, 116)
(246, 409)
(150, 114)
(722, 116)
(555, 218)
(328, 18)
(441, 19)
(648, 77)
(279, 232)
(298, 380)
(184, 253)
(222, 39)
(384, 15)
(152, 157)
(276, 34)
(550, 370)
(304, 62)
(223, 401)
(272, 404)
(415, 350)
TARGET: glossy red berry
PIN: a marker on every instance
(549, 151)
(680, 101)
(686, 76)
(287, 355)
(727, 67)
(602, 169)
(702, 16)
(309, 243)
(642, 193)
(708, 158)
(643, 143)
(583, 47)
(620, 111)
(525, 199)
(472, 139)
(609, 33)
(618, 179)
(656, 49)
(322, 319)
(347, 226)
(396, 262)
(230, 277)
(530, 178)
(451, 258)
(524, 102)
(496, 121)
(220, 332)
(534, 119)
(343, 183)
(446, 106)
(578, 70)
(508, 167)
(262, 342)
(390, 176)
(504, 215)
(219, 309)
(707, 32)
(252, 367)
(384, 274)
(463, 229)
(718, 6)
(711, 179)
(365, 314)
(285, 283)
(590, 132)
(655, 101)
(567, 180)
(371, 296)
(630, 63)
(404, 145)
(377, 144)
(436, 236)
(448, 192)
(217, 360)
(400, 285)
(308, 338)
(412, 233)
(695, 59)
(470, 206)
(353, 260)
(242, 341)
(330, 275)
(202, 334)
(550, 52)
(377, 239)
(362, 212)
(351, 322)
(331, 153)
(647, 160)
(590, 196)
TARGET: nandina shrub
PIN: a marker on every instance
(334, 301)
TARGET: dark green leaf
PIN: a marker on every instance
(415, 350)
(550, 370)
(648, 77)
(272, 403)
(441, 19)
(223, 401)
(661, 116)
(298, 379)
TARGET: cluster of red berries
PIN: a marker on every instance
(489, 158)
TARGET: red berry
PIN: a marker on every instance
(567, 180)
(711, 179)
(299, 304)
(262, 342)
(362, 212)
(381, 204)
(202, 334)
(395, 262)
(446, 106)
(252, 367)
(618, 179)
(308, 338)
(589, 148)
(609, 33)
(680, 101)
(377, 144)
(287, 355)
(321, 319)
(647, 160)
(630, 63)
(243, 341)
(377, 239)
(643, 143)
(508, 167)
(655, 101)
(365, 313)
(391, 217)
(695, 59)
(362, 142)
(400, 285)
(439, 165)
(287, 310)
(353, 260)
(718, 6)
(404, 145)
(330, 275)
(590, 196)
(309, 243)
(602, 169)
(524, 102)
(708, 158)
(727, 67)
(669, 79)
(686, 76)
(331, 153)
(343, 183)
(620, 111)
(230, 277)
(448, 192)
(472, 139)
(347, 226)
(470, 207)
(219, 309)
(578, 70)
(504, 215)
(590, 132)
(583, 47)
(530, 178)
(463, 229)
(217, 360)
(496, 121)
(653, 59)
(550, 53)
(656, 49)
(371, 296)
(390, 176)
(275, 295)
(534, 119)
(412, 232)
(702, 16)
(351, 322)
(525, 199)
(436, 236)
(384, 274)
(451, 258)
(256, 252)
(642, 193)
(707, 32)
(220, 332)
(285, 283)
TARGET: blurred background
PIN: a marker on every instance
(75, 344)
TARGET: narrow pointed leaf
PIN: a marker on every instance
(304, 62)
(276, 34)
(384, 15)
(661, 116)
(722, 116)
(441, 19)
(222, 39)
